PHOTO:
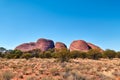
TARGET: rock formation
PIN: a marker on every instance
(81, 45)
(26, 47)
(42, 44)
(60, 45)
(45, 44)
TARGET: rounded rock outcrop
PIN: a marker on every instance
(44, 44)
(79, 45)
(26, 47)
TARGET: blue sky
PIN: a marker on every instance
(96, 21)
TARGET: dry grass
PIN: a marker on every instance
(49, 69)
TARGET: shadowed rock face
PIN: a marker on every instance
(95, 47)
(60, 45)
(81, 45)
(42, 44)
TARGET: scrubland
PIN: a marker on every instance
(51, 69)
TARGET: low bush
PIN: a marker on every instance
(27, 55)
(109, 54)
(78, 54)
(63, 55)
(94, 54)
(47, 54)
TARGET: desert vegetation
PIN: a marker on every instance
(62, 54)
(59, 65)
(51, 69)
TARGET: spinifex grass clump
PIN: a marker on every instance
(6, 75)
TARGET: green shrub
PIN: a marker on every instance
(14, 54)
(94, 54)
(74, 54)
(27, 55)
(35, 52)
(77, 54)
(109, 54)
(63, 55)
(46, 54)
(9, 56)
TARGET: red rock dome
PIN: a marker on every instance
(42, 44)
(26, 46)
(79, 45)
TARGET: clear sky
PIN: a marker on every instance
(96, 21)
